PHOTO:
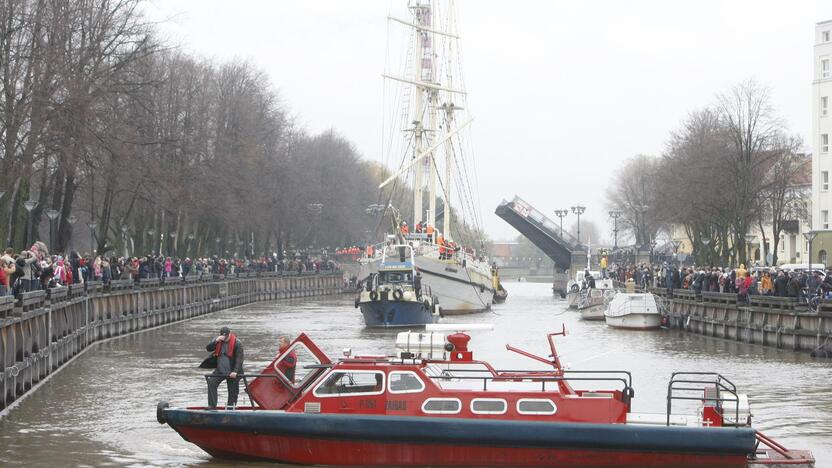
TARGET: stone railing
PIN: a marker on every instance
(43, 330)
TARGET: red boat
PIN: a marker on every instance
(434, 404)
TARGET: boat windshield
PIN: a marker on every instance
(402, 276)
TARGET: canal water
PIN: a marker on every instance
(100, 409)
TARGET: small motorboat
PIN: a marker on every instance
(433, 404)
(576, 287)
(594, 302)
(633, 311)
(394, 297)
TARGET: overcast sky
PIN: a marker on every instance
(562, 92)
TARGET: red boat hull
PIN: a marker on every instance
(308, 451)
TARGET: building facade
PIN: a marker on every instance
(821, 136)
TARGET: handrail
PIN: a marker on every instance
(720, 383)
(543, 380)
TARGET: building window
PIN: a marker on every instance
(824, 36)
(824, 180)
(824, 68)
(824, 143)
(824, 216)
(824, 106)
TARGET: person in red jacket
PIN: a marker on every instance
(289, 362)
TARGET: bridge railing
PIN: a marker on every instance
(524, 209)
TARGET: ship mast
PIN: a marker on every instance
(423, 15)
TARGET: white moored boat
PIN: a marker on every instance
(633, 311)
(594, 302)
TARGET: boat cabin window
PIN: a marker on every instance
(442, 406)
(296, 364)
(405, 382)
(395, 276)
(351, 383)
(536, 406)
(488, 406)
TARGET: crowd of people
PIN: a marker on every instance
(35, 268)
(765, 281)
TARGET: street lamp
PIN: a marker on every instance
(124, 229)
(29, 205)
(71, 219)
(92, 225)
(749, 240)
(150, 233)
(705, 242)
(52, 214)
(579, 210)
(810, 236)
(560, 214)
(615, 214)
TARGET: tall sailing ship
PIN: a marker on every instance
(431, 114)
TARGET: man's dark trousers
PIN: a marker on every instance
(233, 389)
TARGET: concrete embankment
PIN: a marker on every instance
(43, 330)
(779, 322)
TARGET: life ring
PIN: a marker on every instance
(398, 294)
(373, 295)
(574, 288)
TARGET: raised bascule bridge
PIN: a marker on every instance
(562, 247)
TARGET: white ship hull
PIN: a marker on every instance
(635, 321)
(459, 290)
(593, 312)
(633, 311)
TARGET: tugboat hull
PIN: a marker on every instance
(390, 314)
(367, 440)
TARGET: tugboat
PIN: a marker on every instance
(433, 404)
(394, 296)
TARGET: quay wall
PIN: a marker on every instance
(780, 322)
(42, 330)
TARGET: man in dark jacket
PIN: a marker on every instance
(780, 284)
(793, 287)
(227, 351)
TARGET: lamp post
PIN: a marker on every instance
(561, 214)
(52, 214)
(749, 241)
(92, 225)
(124, 229)
(29, 205)
(71, 219)
(705, 242)
(190, 237)
(579, 210)
(810, 236)
(150, 233)
(172, 245)
(615, 214)
(675, 244)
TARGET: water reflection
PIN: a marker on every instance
(100, 410)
